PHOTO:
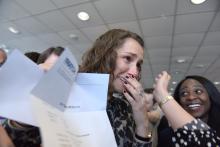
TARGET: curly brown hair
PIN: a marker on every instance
(101, 58)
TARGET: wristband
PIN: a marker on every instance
(147, 139)
(165, 100)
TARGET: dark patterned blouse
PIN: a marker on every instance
(120, 115)
(195, 134)
(28, 137)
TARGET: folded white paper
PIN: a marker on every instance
(18, 76)
(70, 109)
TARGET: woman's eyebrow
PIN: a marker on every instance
(194, 86)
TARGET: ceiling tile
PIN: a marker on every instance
(131, 26)
(161, 52)
(179, 67)
(9, 35)
(195, 72)
(56, 20)
(213, 67)
(209, 50)
(94, 32)
(188, 58)
(211, 76)
(185, 40)
(193, 23)
(53, 39)
(158, 42)
(176, 75)
(216, 23)
(83, 47)
(154, 8)
(159, 56)
(10, 10)
(158, 68)
(184, 52)
(212, 38)
(28, 44)
(72, 12)
(37, 6)
(33, 25)
(185, 6)
(81, 39)
(204, 59)
(112, 11)
(157, 26)
(65, 3)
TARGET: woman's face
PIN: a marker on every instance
(194, 98)
(128, 62)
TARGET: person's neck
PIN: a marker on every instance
(205, 118)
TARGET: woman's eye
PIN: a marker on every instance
(198, 91)
(127, 58)
(183, 94)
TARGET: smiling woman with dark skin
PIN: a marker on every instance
(201, 99)
(195, 99)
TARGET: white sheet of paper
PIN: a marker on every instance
(18, 76)
(54, 87)
(89, 93)
(79, 129)
(84, 121)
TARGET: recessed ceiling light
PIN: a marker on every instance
(216, 83)
(181, 60)
(197, 2)
(174, 82)
(84, 16)
(177, 72)
(200, 66)
(13, 30)
(163, 16)
(74, 36)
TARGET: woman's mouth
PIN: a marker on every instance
(194, 106)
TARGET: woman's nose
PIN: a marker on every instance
(191, 96)
(134, 71)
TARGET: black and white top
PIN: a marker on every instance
(196, 134)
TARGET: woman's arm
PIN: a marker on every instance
(140, 103)
(175, 114)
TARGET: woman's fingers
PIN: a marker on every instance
(129, 98)
(133, 87)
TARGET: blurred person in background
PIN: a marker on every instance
(33, 56)
(3, 56)
(154, 116)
